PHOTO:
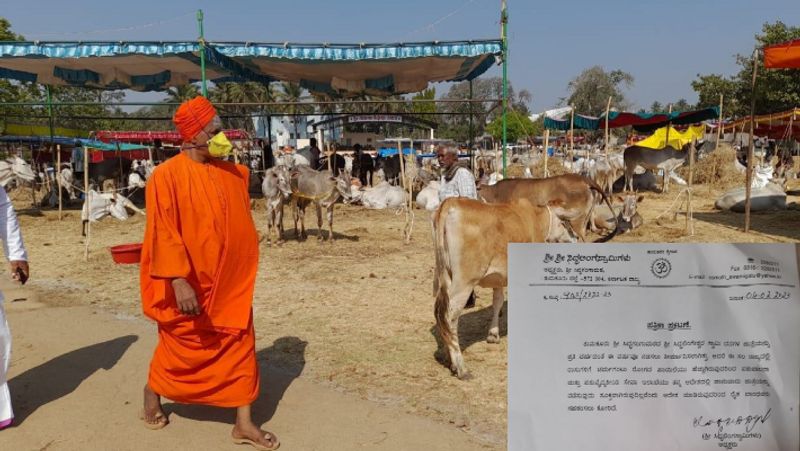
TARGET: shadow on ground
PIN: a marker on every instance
(274, 383)
(60, 376)
(781, 223)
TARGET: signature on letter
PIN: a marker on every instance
(749, 421)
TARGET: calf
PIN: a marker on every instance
(471, 241)
(575, 194)
(277, 191)
(363, 168)
(625, 219)
(391, 168)
(114, 168)
(320, 188)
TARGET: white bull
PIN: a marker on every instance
(100, 205)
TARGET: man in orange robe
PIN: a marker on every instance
(198, 270)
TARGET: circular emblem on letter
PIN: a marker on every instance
(661, 268)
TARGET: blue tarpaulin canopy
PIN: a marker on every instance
(337, 69)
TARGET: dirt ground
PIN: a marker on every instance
(357, 314)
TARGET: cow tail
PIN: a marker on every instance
(441, 283)
(593, 186)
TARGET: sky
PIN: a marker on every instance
(663, 44)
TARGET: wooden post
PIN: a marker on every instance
(689, 211)
(571, 133)
(57, 173)
(496, 159)
(749, 174)
(402, 163)
(719, 123)
(546, 143)
(608, 109)
(86, 201)
(330, 157)
(669, 126)
(409, 226)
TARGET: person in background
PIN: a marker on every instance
(18, 258)
(457, 181)
(314, 153)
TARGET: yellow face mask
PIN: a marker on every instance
(219, 146)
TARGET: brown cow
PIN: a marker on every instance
(471, 241)
(574, 193)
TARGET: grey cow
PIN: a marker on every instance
(277, 192)
(667, 159)
(320, 188)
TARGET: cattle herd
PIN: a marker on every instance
(470, 237)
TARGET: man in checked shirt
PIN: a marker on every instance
(457, 181)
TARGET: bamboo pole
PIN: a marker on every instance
(689, 211)
(571, 134)
(608, 109)
(86, 201)
(402, 163)
(546, 143)
(669, 126)
(719, 123)
(57, 173)
(749, 178)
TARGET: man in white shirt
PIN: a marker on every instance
(16, 255)
(457, 181)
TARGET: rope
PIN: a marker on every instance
(685, 190)
(111, 30)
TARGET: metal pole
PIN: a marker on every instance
(202, 41)
(504, 37)
(749, 179)
(57, 173)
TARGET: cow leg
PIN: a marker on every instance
(579, 226)
(497, 305)
(303, 233)
(270, 222)
(329, 213)
(318, 208)
(628, 179)
(457, 302)
(279, 221)
(450, 301)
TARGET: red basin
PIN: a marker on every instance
(126, 254)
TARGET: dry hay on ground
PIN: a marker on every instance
(554, 167)
(357, 315)
(716, 169)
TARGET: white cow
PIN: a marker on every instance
(100, 205)
(428, 197)
(381, 196)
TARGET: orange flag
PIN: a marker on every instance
(783, 56)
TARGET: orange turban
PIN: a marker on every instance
(193, 116)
